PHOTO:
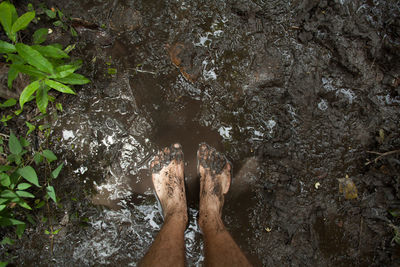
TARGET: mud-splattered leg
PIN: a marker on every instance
(215, 179)
(168, 249)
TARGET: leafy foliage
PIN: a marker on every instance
(44, 64)
(19, 182)
(26, 175)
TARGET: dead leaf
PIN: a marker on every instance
(347, 188)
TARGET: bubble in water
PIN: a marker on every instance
(323, 105)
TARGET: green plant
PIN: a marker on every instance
(44, 64)
(396, 229)
(58, 15)
(19, 182)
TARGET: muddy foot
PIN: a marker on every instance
(169, 183)
(215, 179)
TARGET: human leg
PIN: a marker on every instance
(215, 179)
(168, 249)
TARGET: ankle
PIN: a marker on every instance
(177, 217)
(210, 221)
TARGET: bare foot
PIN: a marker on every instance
(169, 182)
(215, 179)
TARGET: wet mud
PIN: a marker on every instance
(294, 93)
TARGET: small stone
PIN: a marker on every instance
(317, 185)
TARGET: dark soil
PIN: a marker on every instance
(295, 93)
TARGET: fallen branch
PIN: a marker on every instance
(381, 155)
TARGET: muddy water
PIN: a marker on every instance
(294, 92)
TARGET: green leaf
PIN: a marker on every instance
(10, 221)
(8, 103)
(14, 145)
(40, 35)
(24, 194)
(74, 79)
(7, 47)
(7, 241)
(43, 127)
(112, 71)
(3, 200)
(16, 59)
(38, 158)
(24, 142)
(49, 155)
(12, 75)
(14, 15)
(56, 172)
(31, 71)
(6, 18)
(31, 127)
(59, 87)
(8, 194)
(58, 23)
(59, 107)
(51, 193)
(56, 45)
(34, 58)
(51, 14)
(42, 99)
(50, 51)
(60, 14)
(73, 32)
(23, 186)
(29, 174)
(27, 92)
(5, 168)
(394, 213)
(30, 219)
(20, 229)
(23, 21)
(69, 48)
(24, 205)
(5, 180)
(30, 7)
(2, 207)
(64, 71)
(40, 204)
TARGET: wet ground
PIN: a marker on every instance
(294, 92)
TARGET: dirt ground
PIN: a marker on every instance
(298, 94)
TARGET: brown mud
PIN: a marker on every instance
(293, 92)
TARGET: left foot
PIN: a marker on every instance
(169, 183)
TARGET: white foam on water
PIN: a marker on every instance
(108, 141)
(348, 93)
(271, 125)
(323, 105)
(327, 84)
(225, 132)
(209, 73)
(81, 170)
(68, 134)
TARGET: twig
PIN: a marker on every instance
(359, 238)
(381, 155)
(5, 135)
(145, 71)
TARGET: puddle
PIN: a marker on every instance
(265, 82)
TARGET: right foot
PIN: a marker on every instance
(169, 182)
(215, 179)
